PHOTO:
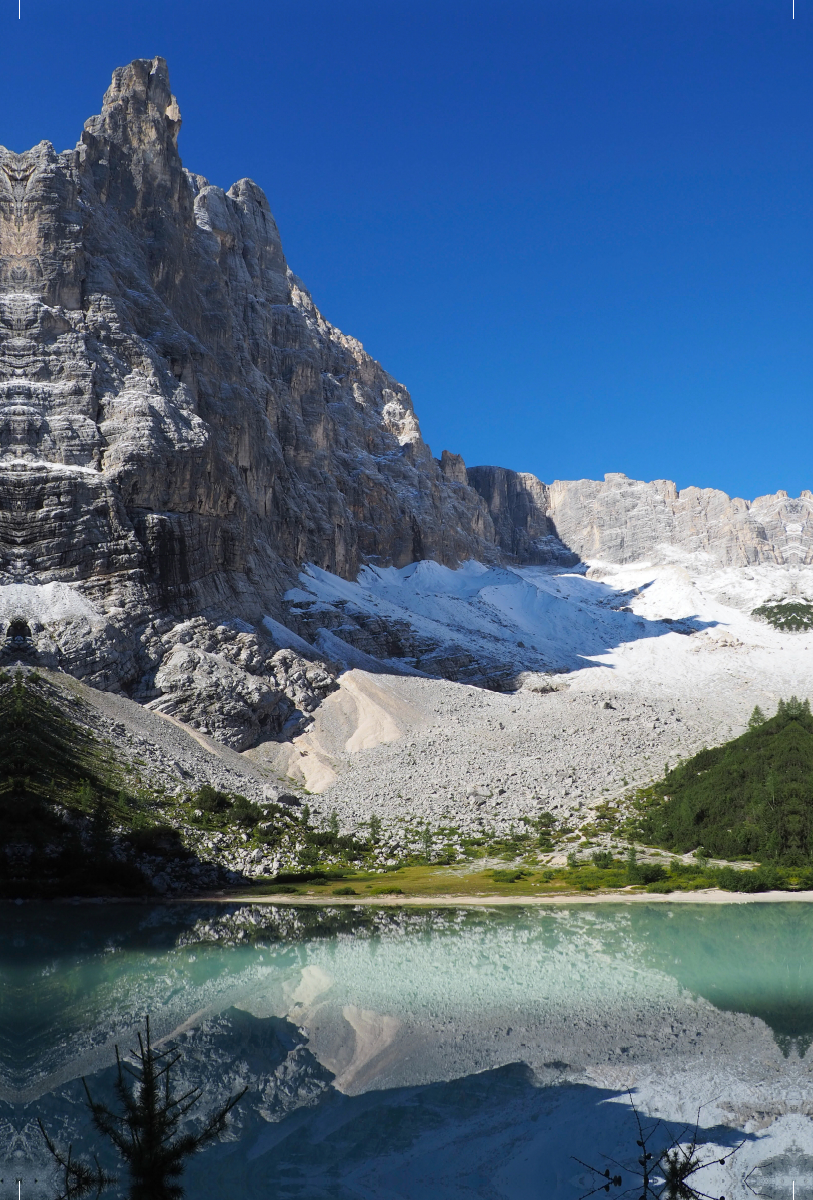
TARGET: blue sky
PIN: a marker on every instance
(579, 231)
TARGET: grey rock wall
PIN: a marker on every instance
(621, 520)
(519, 506)
(180, 427)
(174, 407)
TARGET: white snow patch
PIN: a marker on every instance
(46, 603)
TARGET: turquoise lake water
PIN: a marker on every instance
(414, 1053)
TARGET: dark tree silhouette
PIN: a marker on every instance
(144, 1126)
(669, 1172)
(78, 1179)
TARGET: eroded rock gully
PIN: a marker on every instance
(181, 429)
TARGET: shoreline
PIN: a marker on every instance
(704, 896)
(451, 900)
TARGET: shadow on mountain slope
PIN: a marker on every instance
(476, 624)
(74, 819)
(501, 1132)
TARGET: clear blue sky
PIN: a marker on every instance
(579, 231)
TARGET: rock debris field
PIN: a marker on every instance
(479, 760)
(417, 751)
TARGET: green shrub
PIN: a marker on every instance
(545, 825)
(502, 876)
(763, 879)
(345, 891)
(794, 616)
(662, 886)
(245, 813)
(603, 859)
(632, 871)
(651, 872)
(210, 800)
(676, 867)
(309, 855)
(386, 891)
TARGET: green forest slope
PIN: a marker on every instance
(749, 798)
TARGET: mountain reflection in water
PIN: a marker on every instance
(414, 1052)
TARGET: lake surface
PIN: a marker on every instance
(416, 1053)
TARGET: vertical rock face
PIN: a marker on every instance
(180, 427)
(623, 520)
(519, 505)
(170, 389)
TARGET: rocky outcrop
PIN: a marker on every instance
(621, 520)
(226, 683)
(624, 520)
(518, 504)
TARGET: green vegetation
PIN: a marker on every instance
(750, 798)
(790, 616)
(427, 881)
(76, 821)
(61, 795)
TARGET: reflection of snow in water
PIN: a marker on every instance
(421, 1020)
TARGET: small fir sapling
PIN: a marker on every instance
(669, 1171)
(757, 718)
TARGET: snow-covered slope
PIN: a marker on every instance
(517, 619)
(607, 674)
(627, 620)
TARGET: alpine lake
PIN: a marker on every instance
(408, 1052)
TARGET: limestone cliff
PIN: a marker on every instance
(180, 428)
(621, 520)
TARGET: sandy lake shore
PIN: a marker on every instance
(706, 896)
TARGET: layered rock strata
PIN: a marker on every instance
(621, 520)
(179, 424)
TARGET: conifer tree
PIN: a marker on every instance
(144, 1127)
(78, 1179)
(757, 718)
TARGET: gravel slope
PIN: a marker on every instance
(416, 750)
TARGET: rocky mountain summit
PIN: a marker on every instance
(180, 427)
(181, 431)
